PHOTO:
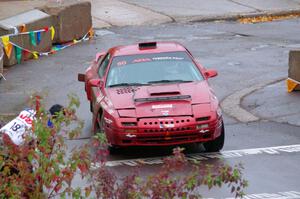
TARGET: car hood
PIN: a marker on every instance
(158, 97)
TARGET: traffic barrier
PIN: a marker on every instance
(293, 80)
(71, 19)
(32, 34)
(28, 21)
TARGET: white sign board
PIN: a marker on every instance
(17, 128)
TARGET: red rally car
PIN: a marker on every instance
(153, 94)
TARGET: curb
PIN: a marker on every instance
(231, 105)
(235, 17)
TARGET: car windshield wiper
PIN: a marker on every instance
(169, 81)
(127, 84)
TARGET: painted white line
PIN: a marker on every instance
(277, 150)
(278, 195)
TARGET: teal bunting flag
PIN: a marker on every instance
(32, 38)
(18, 54)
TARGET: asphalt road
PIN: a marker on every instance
(243, 54)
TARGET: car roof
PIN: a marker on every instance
(135, 49)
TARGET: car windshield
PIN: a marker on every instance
(138, 70)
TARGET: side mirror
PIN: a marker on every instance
(210, 73)
(99, 55)
(95, 83)
(81, 77)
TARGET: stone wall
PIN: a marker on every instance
(33, 20)
(71, 19)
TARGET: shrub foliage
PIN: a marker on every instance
(43, 167)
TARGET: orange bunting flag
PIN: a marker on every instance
(35, 55)
(52, 32)
(291, 84)
(91, 33)
(7, 45)
(23, 28)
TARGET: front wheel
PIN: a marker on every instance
(99, 123)
(113, 149)
(216, 144)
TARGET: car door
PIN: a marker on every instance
(97, 92)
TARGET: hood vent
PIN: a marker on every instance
(168, 98)
(165, 93)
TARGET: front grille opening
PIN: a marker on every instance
(200, 119)
(126, 141)
(129, 123)
(172, 138)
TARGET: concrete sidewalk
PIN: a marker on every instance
(274, 103)
(108, 13)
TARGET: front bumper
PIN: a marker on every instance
(164, 132)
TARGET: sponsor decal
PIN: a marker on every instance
(110, 111)
(169, 125)
(108, 102)
(104, 105)
(165, 112)
(108, 121)
(100, 98)
(165, 119)
(121, 63)
(162, 106)
(167, 58)
(141, 60)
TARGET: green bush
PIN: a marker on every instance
(42, 167)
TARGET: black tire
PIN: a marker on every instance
(91, 107)
(217, 144)
(99, 123)
(113, 149)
